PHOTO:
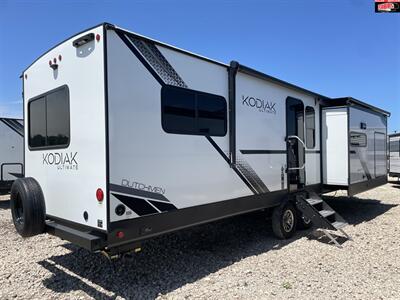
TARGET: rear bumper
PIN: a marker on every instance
(83, 238)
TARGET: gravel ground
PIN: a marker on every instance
(235, 258)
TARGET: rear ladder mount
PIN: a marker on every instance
(322, 215)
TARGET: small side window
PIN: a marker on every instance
(310, 127)
(49, 120)
(358, 139)
(394, 146)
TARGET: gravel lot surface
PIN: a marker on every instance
(237, 258)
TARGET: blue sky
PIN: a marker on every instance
(336, 48)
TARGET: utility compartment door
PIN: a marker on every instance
(335, 146)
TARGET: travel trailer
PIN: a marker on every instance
(394, 155)
(127, 138)
(11, 152)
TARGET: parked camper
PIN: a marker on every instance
(128, 138)
(394, 155)
(11, 152)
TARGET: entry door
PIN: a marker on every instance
(296, 176)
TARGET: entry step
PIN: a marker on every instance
(339, 225)
(321, 214)
(326, 213)
(313, 202)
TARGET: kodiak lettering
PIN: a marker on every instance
(59, 158)
(260, 104)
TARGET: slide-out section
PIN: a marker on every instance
(354, 148)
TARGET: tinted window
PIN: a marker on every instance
(394, 146)
(186, 111)
(358, 139)
(211, 114)
(57, 118)
(49, 119)
(37, 123)
(310, 127)
(178, 110)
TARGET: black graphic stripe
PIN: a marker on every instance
(159, 63)
(140, 206)
(17, 175)
(162, 206)
(140, 57)
(137, 192)
(14, 125)
(263, 151)
(364, 166)
(219, 150)
(214, 144)
(251, 175)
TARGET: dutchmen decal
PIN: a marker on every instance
(260, 104)
(61, 160)
(143, 187)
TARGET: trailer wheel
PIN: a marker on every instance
(28, 207)
(284, 220)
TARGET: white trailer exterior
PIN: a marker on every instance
(129, 138)
(354, 147)
(394, 154)
(11, 152)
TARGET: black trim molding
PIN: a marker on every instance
(152, 225)
(356, 188)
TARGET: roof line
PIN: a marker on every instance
(241, 68)
(170, 46)
(396, 134)
(253, 72)
(63, 41)
(363, 104)
(7, 118)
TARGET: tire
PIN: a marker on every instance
(284, 220)
(28, 207)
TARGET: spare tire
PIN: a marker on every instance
(28, 207)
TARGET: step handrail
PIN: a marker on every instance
(304, 146)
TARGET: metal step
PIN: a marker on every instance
(323, 217)
(339, 225)
(326, 213)
(313, 201)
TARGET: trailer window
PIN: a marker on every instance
(394, 146)
(358, 139)
(186, 111)
(37, 123)
(49, 120)
(310, 127)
